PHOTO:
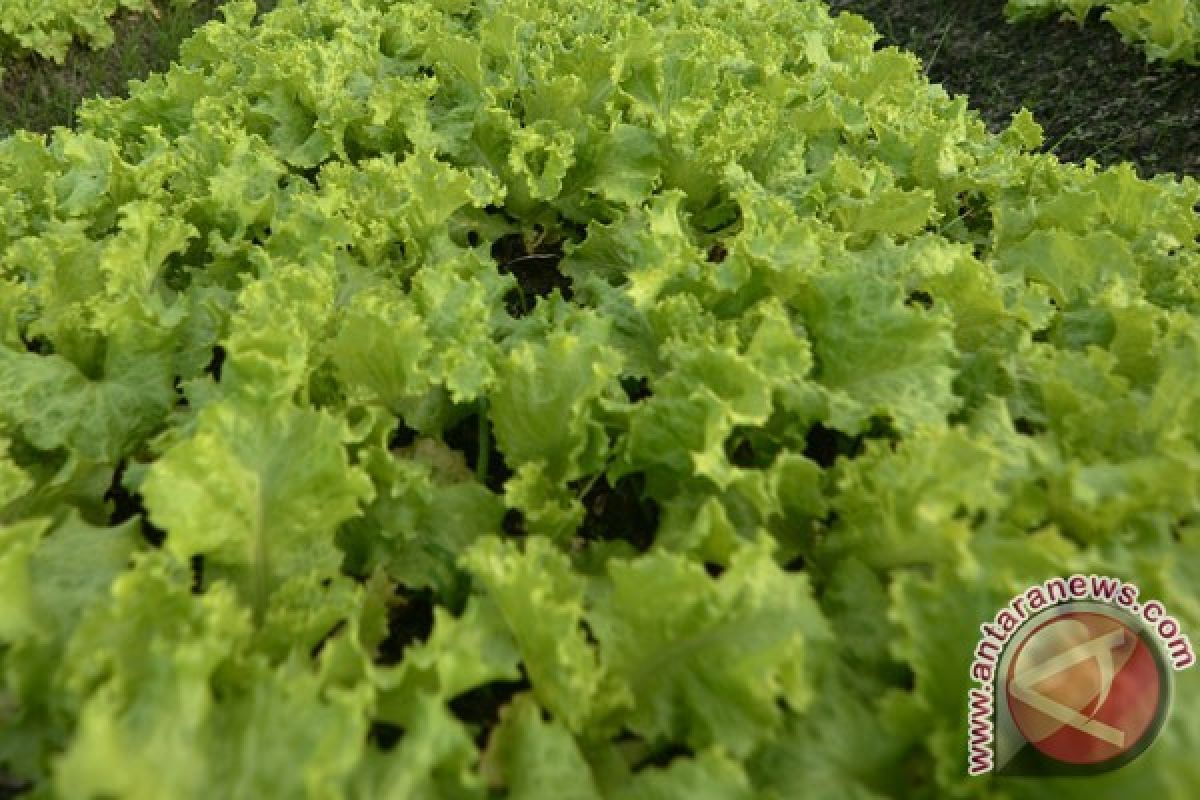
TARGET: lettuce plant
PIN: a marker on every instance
(1167, 30)
(48, 27)
(541, 399)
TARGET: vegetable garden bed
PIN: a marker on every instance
(479, 399)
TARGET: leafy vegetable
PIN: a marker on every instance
(1168, 30)
(468, 399)
(48, 28)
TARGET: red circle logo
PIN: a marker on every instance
(1085, 688)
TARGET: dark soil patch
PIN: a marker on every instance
(480, 708)
(620, 511)
(1095, 96)
(536, 271)
(464, 436)
(410, 620)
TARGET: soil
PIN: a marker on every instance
(1096, 96)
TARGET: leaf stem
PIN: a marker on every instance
(485, 442)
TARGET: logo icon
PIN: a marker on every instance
(1082, 689)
